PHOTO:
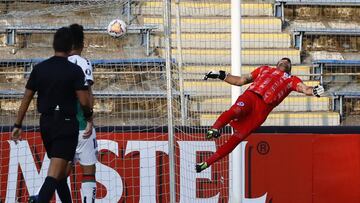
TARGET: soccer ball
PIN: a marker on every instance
(117, 28)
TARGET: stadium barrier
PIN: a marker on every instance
(144, 31)
(300, 32)
(280, 4)
(333, 74)
(282, 164)
(319, 67)
(338, 101)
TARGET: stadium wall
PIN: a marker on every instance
(293, 166)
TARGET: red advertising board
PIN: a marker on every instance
(302, 168)
(288, 168)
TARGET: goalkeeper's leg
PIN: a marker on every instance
(242, 107)
(243, 129)
(222, 151)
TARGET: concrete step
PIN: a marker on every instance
(205, 9)
(291, 104)
(90, 52)
(223, 56)
(223, 40)
(55, 14)
(44, 38)
(221, 24)
(197, 72)
(288, 119)
(213, 88)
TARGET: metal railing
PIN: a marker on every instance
(144, 31)
(280, 4)
(300, 32)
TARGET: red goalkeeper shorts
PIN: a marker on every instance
(251, 111)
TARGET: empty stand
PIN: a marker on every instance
(205, 42)
(127, 91)
(280, 4)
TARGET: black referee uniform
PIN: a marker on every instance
(56, 80)
(60, 84)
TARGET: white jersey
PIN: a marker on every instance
(85, 65)
(86, 150)
(89, 80)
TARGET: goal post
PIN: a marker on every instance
(236, 190)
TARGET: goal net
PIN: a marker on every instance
(132, 92)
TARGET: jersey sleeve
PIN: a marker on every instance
(72, 59)
(85, 66)
(79, 81)
(31, 83)
(296, 80)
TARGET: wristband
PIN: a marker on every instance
(88, 113)
(222, 75)
(17, 125)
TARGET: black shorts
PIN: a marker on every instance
(60, 136)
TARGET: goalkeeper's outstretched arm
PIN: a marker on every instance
(227, 77)
(238, 80)
(317, 91)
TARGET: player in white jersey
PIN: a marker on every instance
(86, 150)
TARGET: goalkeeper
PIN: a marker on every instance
(270, 86)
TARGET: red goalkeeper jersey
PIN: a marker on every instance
(272, 84)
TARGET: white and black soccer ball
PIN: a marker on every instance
(117, 28)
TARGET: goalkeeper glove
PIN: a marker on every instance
(215, 74)
(212, 133)
(200, 167)
(318, 90)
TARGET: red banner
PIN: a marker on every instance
(301, 168)
(133, 167)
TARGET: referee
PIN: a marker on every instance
(59, 84)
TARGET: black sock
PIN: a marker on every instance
(64, 191)
(47, 189)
